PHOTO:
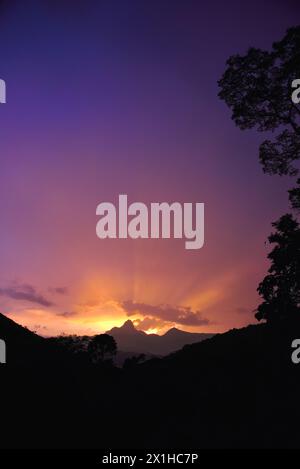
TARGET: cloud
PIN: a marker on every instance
(180, 315)
(67, 314)
(149, 323)
(25, 292)
(59, 290)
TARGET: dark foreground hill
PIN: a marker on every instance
(42, 396)
(238, 389)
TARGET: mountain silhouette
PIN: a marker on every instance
(238, 389)
(130, 339)
(40, 383)
(10, 330)
(21, 343)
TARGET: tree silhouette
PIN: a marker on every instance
(294, 195)
(132, 362)
(102, 347)
(280, 289)
(258, 88)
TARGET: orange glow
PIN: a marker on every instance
(152, 331)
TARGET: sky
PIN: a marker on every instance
(120, 97)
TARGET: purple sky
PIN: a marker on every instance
(120, 97)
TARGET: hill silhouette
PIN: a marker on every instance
(40, 386)
(239, 389)
(129, 339)
(22, 343)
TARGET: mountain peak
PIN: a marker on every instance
(130, 339)
(173, 331)
(128, 325)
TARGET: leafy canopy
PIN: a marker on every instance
(257, 89)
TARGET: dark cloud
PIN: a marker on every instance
(180, 315)
(25, 292)
(59, 290)
(67, 314)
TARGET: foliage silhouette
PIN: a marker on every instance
(257, 88)
(294, 195)
(132, 362)
(102, 347)
(280, 289)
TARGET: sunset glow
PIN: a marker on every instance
(105, 119)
